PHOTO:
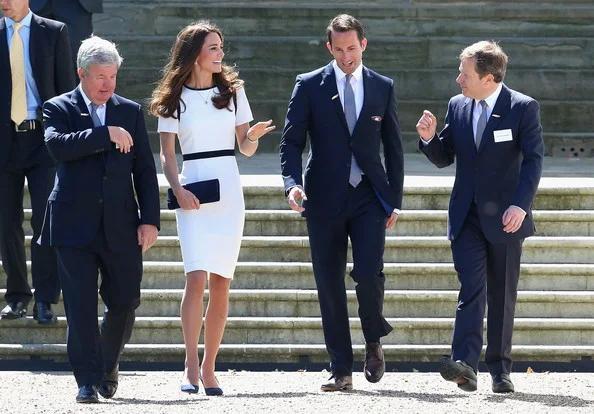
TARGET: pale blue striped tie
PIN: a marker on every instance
(481, 124)
(350, 113)
(94, 116)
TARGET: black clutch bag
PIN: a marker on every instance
(207, 191)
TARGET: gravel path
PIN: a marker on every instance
(297, 392)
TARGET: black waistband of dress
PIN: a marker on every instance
(209, 154)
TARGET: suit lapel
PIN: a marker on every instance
(368, 86)
(466, 117)
(36, 49)
(502, 107)
(110, 111)
(79, 103)
(330, 92)
(5, 54)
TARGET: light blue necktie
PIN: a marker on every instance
(94, 116)
(350, 113)
(481, 124)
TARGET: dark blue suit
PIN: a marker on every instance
(488, 181)
(334, 210)
(23, 155)
(92, 219)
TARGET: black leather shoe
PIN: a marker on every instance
(375, 365)
(213, 391)
(502, 383)
(14, 310)
(340, 383)
(87, 394)
(459, 372)
(109, 384)
(43, 314)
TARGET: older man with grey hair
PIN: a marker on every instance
(100, 143)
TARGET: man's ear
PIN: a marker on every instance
(364, 44)
(329, 46)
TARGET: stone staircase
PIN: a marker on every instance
(416, 42)
(274, 314)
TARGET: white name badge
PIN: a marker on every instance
(503, 135)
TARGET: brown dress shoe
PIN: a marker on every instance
(340, 383)
(459, 372)
(375, 366)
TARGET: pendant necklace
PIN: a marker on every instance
(202, 97)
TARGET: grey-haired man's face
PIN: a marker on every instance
(99, 83)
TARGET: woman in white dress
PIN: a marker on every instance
(203, 102)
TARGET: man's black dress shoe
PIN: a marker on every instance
(502, 383)
(43, 314)
(459, 372)
(340, 383)
(87, 394)
(109, 384)
(14, 310)
(375, 365)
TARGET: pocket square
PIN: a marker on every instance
(83, 114)
(496, 116)
(206, 191)
(377, 118)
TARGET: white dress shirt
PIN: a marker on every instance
(100, 109)
(356, 84)
(478, 109)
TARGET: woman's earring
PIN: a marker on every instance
(195, 62)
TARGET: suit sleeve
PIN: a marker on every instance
(65, 80)
(440, 150)
(294, 136)
(532, 147)
(392, 141)
(145, 175)
(65, 145)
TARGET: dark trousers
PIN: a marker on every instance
(489, 275)
(75, 16)
(364, 221)
(91, 352)
(28, 159)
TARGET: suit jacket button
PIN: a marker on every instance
(100, 201)
(104, 177)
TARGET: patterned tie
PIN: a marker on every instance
(350, 113)
(18, 111)
(481, 124)
(94, 116)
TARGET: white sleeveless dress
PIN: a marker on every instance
(210, 237)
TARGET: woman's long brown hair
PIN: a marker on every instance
(166, 97)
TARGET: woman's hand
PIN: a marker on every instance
(259, 130)
(186, 199)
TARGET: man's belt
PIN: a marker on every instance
(27, 125)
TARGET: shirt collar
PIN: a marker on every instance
(86, 98)
(26, 21)
(340, 75)
(491, 99)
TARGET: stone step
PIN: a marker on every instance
(290, 330)
(393, 52)
(410, 223)
(407, 249)
(399, 276)
(380, 18)
(397, 303)
(294, 353)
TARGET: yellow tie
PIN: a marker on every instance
(18, 111)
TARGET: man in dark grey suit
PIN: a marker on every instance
(35, 65)
(77, 14)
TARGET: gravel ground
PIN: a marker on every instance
(297, 392)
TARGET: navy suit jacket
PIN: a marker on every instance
(499, 174)
(51, 63)
(95, 182)
(315, 109)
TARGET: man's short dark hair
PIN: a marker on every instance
(343, 23)
(489, 58)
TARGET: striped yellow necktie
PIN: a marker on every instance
(18, 112)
